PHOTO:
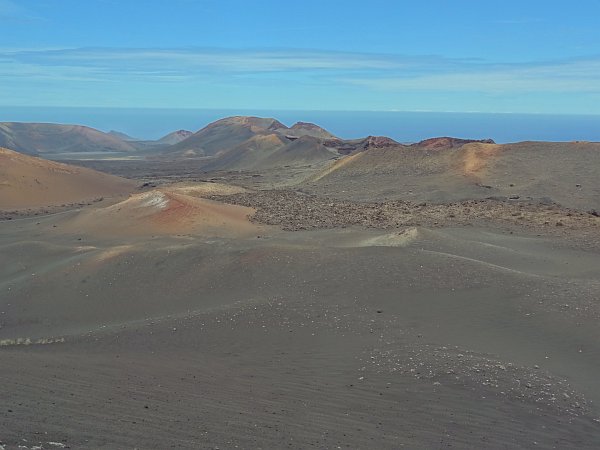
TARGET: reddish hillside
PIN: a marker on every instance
(26, 181)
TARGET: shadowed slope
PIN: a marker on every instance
(272, 150)
(304, 150)
(249, 154)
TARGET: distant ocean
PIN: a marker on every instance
(402, 126)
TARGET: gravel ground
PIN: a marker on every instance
(294, 210)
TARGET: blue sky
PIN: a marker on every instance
(445, 55)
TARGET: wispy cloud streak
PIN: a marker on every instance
(377, 71)
(385, 80)
(559, 77)
(236, 61)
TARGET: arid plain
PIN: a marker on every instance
(253, 285)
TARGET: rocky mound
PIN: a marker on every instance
(347, 147)
(443, 143)
(378, 142)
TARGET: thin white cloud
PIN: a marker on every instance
(563, 77)
(377, 72)
(222, 59)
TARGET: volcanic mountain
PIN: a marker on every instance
(51, 139)
(26, 181)
(175, 137)
(235, 132)
(222, 135)
(242, 143)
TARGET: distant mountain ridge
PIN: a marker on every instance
(52, 140)
(369, 168)
(49, 138)
(231, 143)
